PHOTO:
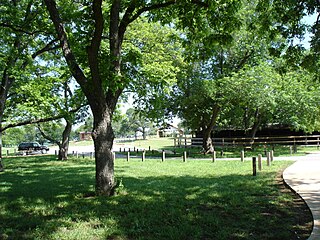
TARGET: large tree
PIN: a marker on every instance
(97, 67)
(202, 94)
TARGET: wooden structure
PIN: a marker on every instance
(85, 136)
(310, 140)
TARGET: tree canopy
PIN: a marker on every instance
(203, 52)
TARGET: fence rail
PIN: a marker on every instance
(313, 140)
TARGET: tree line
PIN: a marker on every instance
(214, 64)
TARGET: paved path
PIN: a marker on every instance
(304, 178)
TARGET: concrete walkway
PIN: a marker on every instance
(304, 178)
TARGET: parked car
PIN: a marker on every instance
(32, 146)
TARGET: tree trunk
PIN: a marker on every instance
(64, 146)
(255, 126)
(144, 133)
(1, 165)
(103, 140)
(207, 141)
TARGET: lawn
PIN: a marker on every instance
(42, 198)
(154, 143)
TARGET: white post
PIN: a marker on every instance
(184, 156)
(143, 155)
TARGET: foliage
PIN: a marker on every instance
(13, 136)
(23, 24)
(132, 124)
(152, 61)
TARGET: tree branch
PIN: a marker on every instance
(214, 116)
(62, 36)
(163, 5)
(46, 48)
(93, 49)
(41, 120)
(16, 29)
(129, 18)
(243, 61)
(150, 8)
(47, 136)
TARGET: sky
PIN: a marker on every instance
(310, 20)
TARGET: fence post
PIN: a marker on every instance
(214, 156)
(294, 146)
(290, 150)
(163, 156)
(7, 153)
(260, 162)
(128, 156)
(242, 156)
(1, 166)
(77, 154)
(143, 155)
(254, 166)
(175, 140)
(271, 155)
(268, 158)
(184, 156)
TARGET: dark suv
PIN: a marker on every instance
(32, 146)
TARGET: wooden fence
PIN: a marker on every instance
(310, 140)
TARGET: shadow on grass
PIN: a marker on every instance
(42, 198)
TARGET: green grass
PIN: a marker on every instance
(153, 142)
(42, 198)
(10, 150)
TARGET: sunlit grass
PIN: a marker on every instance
(42, 198)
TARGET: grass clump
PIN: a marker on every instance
(41, 198)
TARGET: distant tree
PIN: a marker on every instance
(202, 94)
(32, 100)
(13, 136)
(134, 122)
